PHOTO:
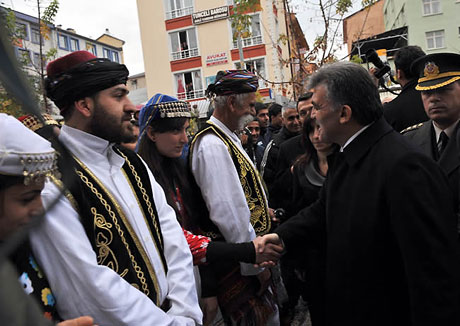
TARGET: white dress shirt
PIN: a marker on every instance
(218, 179)
(81, 286)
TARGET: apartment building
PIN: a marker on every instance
(186, 42)
(434, 25)
(64, 41)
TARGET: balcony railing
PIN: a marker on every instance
(190, 95)
(249, 41)
(179, 12)
(184, 54)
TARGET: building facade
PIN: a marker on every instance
(434, 25)
(61, 41)
(363, 24)
(186, 42)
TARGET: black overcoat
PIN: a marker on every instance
(406, 109)
(386, 216)
(424, 138)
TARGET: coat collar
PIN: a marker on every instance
(361, 145)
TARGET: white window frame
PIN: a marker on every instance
(196, 93)
(74, 41)
(110, 54)
(249, 41)
(183, 54)
(177, 12)
(430, 3)
(433, 35)
(262, 83)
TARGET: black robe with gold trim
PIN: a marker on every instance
(112, 237)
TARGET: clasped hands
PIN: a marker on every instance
(269, 249)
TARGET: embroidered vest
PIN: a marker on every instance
(249, 179)
(112, 237)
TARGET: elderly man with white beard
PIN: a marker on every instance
(235, 197)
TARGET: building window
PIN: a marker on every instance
(63, 42)
(257, 67)
(189, 85)
(431, 7)
(178, 8)
(91, 48)
(435, 39)
(35, 35)
(23, 56)
(254, 32)
(183, 44)
(74, 44)
(36, 60)
(22, 31)
(111, 55)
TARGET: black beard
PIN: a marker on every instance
(108, 127)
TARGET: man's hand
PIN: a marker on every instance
(268, 253)
(209, 307)
(268, 243)
(80, 321)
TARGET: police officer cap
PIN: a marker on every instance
(436, 70)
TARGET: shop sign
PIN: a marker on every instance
(210, 15)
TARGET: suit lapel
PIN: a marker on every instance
(424, 139)
(449, 159)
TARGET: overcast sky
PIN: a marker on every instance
(91, 17)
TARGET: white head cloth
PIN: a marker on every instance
(23, 152)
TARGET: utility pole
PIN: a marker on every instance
(288, 28)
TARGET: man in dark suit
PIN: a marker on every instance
(407, 108)
(384, 215)
(439, 85)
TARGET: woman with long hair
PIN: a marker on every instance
(309, 173)
(163, 123)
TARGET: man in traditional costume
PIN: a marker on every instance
(111, 247)
(234, 195)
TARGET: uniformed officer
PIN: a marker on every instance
(439, 84)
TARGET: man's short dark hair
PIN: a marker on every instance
(305, 96)
(274, 109)
(404, 58)
(350, 84)
(260, 106)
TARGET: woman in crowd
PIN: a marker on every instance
(310, 169)
(26, 160)
(309, 173)
(163, 126)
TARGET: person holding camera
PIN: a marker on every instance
(407, 108)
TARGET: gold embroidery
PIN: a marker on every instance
(259, 219)
(145, 218)
(145, 197)
(138, 270)
(103, 241)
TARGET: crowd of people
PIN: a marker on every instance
(338, 199)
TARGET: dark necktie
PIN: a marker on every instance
(442, 142)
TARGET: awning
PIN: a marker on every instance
(390, 40)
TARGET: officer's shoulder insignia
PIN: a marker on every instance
(414, 127)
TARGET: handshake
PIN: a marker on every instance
(269, 249)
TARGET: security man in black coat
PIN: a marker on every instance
(439, 85)
(407, 108)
